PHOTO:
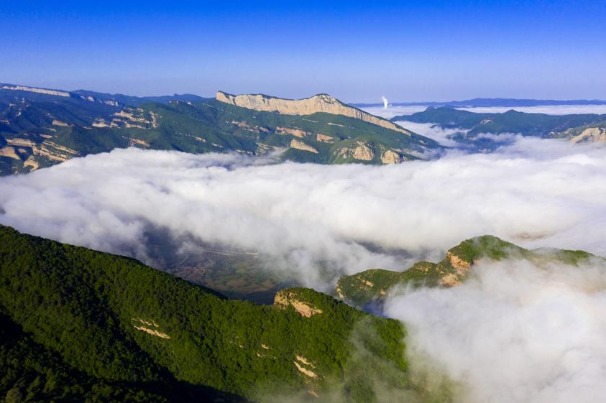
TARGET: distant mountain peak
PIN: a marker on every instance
(323, 103)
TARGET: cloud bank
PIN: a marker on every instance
(433, 131)
(317, 221)
(394, 110)
(513, 332)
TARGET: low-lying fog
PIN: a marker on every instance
(514, 332)
(317, 218)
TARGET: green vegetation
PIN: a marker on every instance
(526, 124)
(371, 285)
(79, 324)
(473, 125)
(49, 129)
(598, 128)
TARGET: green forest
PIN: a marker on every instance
(84, 325)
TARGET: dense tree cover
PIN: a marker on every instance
(371, 285)
(84, 324)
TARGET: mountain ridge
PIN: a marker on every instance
(373, 285)
(40, 128)
(493, 102)
(305, 106)
(115, 322)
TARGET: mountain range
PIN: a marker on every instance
(472, 126)
(77, 324)
(84, 325)
(41, 127)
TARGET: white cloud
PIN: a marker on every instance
(394, 110)
(512, 333)
(433, 131)
(311, 219)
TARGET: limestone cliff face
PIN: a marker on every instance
(591, 135)
(284, 299)
(307, 106)
(299, 145)
(390, 157)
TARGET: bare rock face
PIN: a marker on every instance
(591, 135)
(363, 153)
(299, 145)
(307, 106)
(462, 268)
(390, 157)
(323, 138)
(461, 265)
(284, 299)
(9, 152)
(292, 131)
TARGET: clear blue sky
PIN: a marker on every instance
(357, 51)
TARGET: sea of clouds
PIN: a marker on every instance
(514, 332)
(312, 219)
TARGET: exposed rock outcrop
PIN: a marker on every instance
(363, 153)
(292, 131)
(32, 163)
(9, 152)
(462, 268)
(146, 326)
(130, 118)
(360, 151)
(284, 299)
(390, 157)
(590, 135)
(307, 106)
(461, 265)
(299, 145)
(323, 138)
(37, 90)
(301, 363)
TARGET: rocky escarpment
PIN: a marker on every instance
(307, 106)
(284, 299)
(590, 135)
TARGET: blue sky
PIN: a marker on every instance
(357, 51)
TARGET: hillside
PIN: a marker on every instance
(590, 133)
(80, 324)
(371, 285)
(40, 128)
(473, 125)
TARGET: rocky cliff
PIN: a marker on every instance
(307, 106)
(590, 135)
